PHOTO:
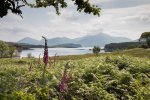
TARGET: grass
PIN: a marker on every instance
(137, 52)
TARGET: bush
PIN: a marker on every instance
(96, 50)
(6, 50)
(29, 55)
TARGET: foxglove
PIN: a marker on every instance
(45, 58)
(63, 86)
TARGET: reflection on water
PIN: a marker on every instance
(35, 52)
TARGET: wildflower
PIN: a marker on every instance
(45, 58)
(63, 86)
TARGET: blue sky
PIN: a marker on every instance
(126, 18)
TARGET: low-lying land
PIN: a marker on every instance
(122, 75)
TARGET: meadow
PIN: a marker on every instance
(122, 75)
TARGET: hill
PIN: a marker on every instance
(100, 40)
(121, 46)
(29, 40)
(87, 41)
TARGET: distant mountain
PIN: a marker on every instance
(67, 45)
(101, 40)
(87, 41)
(29, 40)
(57, 41)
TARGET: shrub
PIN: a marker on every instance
(6, 50)
(96, 50)
(29, 55)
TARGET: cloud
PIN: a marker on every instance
(142, 16)
(124, 18)
(114, 4)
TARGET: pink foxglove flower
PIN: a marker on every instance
(63, 86)
(45, 58)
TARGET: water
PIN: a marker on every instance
(35, 52)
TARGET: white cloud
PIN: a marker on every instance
(127, 22)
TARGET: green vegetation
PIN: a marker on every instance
(109, 76)
(6, 50)
(146, 36)
(122, 46)
(15, 5)
(137, 52)
(96, 50)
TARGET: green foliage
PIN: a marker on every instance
(146, 36)
(137, 52)
(96, 50)
(96, 78)
(145, 46)
(11, 50)
(14, 7)
(29, 55)
(148, 42)
(6, 50)
(122, 46)
(3, 49)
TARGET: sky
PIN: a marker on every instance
(125, 18)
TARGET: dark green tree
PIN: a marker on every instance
(3, 49)
(15, 5)
(96, 50)
(146, 37)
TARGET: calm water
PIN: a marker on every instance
(60, 51)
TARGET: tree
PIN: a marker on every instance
(146, 37)
(96, 50)
(11, 50)
(3, 49)
(15, 5)
(6, 50)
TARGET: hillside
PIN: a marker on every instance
(104, 77)
(121, 46)
(100, 40)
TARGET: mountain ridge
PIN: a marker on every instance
(100, 39)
